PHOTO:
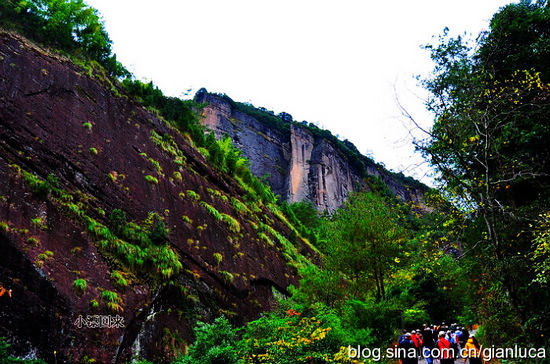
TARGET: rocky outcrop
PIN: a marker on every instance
(107, 152)
(298, 164)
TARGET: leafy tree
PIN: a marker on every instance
(365, 239)
(488, 143)
(214, 344)
(67, 25)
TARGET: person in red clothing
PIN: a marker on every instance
(415, 337)
(446, 352)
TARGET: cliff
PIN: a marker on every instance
(75, 155)
(299, 161)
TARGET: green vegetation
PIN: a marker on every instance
(151, 179)
(195, 196)
(40, 188)
(118, 279)
(32, 241)
(114, 302)
(227, 277)
(70, 26)
(7, 359)
(43, 258)
(80, 285)
(94, 304)
(142, 248)
(39, 223)
(93, 151)
(239, 206)
(218, 257)
(233, 224)
(187, 219)
(382, 264)
(488, 144)
(212, 210)
(112, 176)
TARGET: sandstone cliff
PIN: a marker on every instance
(61, 122)
(298, 163)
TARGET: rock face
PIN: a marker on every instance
(298, 165)
(60, 120)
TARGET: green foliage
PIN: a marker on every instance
(266, 239)
(46, 255)
(42, 188)
(80, 285)
(541, 253)
(87, 125)
(233, 224)
(415, 317)
(39, 222)
(212, 210)
(5, 358)
(239, 206)
(118, 279)
(218, 257)
(68, 25)
(4, 227)
(151, 179)
(227, 277)
(178, 112)
(94, 304)
(214, 344)
(139, 246)
(490, 101)
(113, 301)
(93, 151)
(369, 239)
(195, 196)
(32, 241)
(280, 337)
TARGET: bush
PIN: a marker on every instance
(80, 285)
(233, 224)
(113, 300)
(215, 344)
(227, 277)
(151, 179)
(118, 279)
(195, 196)
(218, 257)
(212, 210)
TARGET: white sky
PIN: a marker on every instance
(335, 63)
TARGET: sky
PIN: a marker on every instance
(340, 64)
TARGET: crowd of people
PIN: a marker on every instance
(440, 344)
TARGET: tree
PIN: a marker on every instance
(67, 25)
(364, 241)
(488, 142)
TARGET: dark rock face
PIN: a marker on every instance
(56, 118)
(299, 165)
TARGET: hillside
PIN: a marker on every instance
(105, 209)
(300, 161)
